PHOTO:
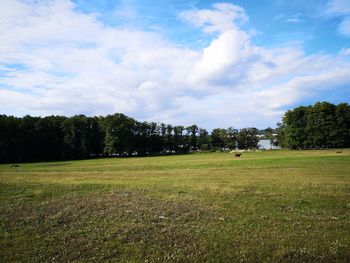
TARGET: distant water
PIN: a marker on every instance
(266, 145)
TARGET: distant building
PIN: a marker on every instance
(267, 145)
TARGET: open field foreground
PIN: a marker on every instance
(273, 206)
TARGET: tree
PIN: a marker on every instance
(295, 133)
(280, 135)
(163, 134)
(27, 140)
(247, 138)
(341, 138)
(169, 138)
(192, 134)
(119, 134)
(218, 138)
(178, 138)
(9, 126)
(322, 125)
(49, 134)
(231, 138)
(203, 140)
(76, 137)
(155, 143)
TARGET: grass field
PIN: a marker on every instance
(273, 206)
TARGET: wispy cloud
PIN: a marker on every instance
(296, 19)
(345, 52)
(344, 27)
(222, 17)
(340, 8)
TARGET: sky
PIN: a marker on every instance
(215, 64)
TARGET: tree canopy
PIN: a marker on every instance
(29, 138)
(322, 125)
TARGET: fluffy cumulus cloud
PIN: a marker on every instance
(66, 62)
(57, 60)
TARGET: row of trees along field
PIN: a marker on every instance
(322, 125)
(78, 137)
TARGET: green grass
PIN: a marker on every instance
(273, 206)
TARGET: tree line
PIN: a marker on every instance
(319, 126)
(27, 139)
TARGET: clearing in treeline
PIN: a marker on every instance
(272, 206)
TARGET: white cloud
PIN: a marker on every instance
(56, 60)
(219, 19)
(225, 51)
(344, 27)
(340, 8)
(296, 18)
(345, 52)
(75, 60)
(220, 56)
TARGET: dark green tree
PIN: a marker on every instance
(203, 140)
(295, 133)
(341, 138)
(231, 138)
(247, 138)
(192, 133)
(322, 125)
(218, 138)
(119, 130)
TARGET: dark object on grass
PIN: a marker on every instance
(339, 151)
(237, 155)
(14, 165)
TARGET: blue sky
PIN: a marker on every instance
(217, 64)
(276, 21)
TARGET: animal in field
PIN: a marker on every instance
(237, 155)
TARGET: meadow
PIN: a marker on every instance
(268, 206)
